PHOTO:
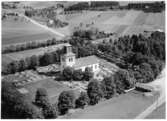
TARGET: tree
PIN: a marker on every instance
(46, 59)
(82, 100)
(21, 65)
(146, 72)
(121, 81)
(94, 92)
(109, 87)
(68, 73)
(34, 61)
(66, 101)
(41, 98)
(50, 112)
(26, 110)
(88, 74)
(77, 75)
(13, 66)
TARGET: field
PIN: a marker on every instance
(53, 88)
(159, 113)
(6, 58)
(20, 30)
(119, 22)
(125, 106)
(44, 4)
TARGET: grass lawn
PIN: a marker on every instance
(53, 88)
(125, 106)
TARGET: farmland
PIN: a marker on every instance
(126, 22)
(21, 30)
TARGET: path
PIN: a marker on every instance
(42, 26)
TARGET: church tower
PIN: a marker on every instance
(67, 59)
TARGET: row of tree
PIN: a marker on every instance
(93, 4)
(154, 7)
(91, 34)
(32, 62)
(31, 45)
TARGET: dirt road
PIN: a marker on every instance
(42, 26)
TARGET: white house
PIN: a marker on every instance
(69, 59)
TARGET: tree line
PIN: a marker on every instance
(32, 62)
(157, 6)
(148, 7)
(93, 4)
(31, 45)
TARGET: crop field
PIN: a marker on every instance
(18, 30)
(125, 22)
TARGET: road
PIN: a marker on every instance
(42, 26)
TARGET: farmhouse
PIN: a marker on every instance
(69, 59)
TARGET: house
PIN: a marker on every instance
(69, 59)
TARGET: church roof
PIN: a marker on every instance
(86, 61)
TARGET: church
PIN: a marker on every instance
(69, 60)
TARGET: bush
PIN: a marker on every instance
(77, 75)
(94, 92)
(66, 101)
(82, 100)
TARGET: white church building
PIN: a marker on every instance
(69, 59)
